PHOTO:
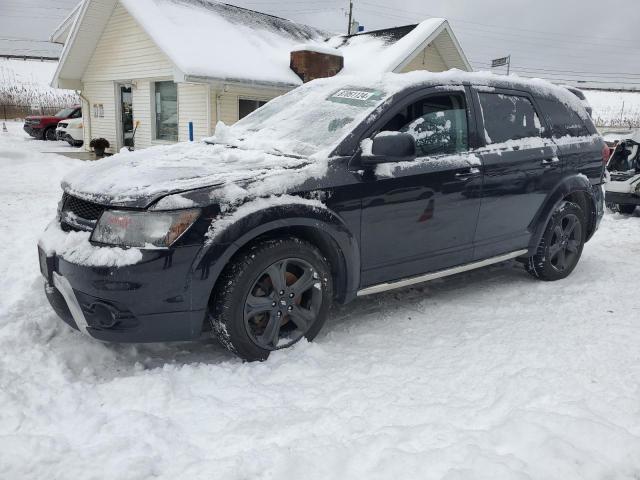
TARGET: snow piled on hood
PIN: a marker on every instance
(156, 171)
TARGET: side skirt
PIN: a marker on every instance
(383, 287)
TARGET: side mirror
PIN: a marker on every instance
(389, 147)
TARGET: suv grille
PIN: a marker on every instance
(78, 214)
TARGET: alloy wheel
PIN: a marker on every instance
(565, 242)
(282, 304)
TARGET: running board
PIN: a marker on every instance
(383, 287)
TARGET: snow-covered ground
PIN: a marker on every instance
(486, 375)
(615, 109)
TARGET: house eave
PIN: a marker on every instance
(216, 81)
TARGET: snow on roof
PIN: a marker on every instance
(390, 48)
(205, 39)
(210, 39)
(318, 48)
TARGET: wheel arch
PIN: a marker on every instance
(575, 188)
(320, 227)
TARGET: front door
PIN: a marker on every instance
(126, 116)
(420, 216)
(520, 167)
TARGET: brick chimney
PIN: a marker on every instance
(312, 61)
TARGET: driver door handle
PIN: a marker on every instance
(472, 172)
(551, 162)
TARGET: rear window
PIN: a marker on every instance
(508, 117)
(563, 120)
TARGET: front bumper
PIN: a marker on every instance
(69, 136)
(151, 301)
(33, 131)
(622, 198)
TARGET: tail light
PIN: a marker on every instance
(606, 153)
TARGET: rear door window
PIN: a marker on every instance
(563, 120)
(508, 117)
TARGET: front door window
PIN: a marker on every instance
(438, 123)
(126, 112)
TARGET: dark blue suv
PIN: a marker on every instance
(343, 187)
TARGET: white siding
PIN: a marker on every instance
(141, 97)
(448, 51)
(229, 101)
(125, 52)
(192, 107)
(429, 59)
(100, 93)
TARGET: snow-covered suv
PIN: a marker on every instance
(342, 187)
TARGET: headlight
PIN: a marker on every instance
(143, 229)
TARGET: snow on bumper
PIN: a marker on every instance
(123, 295)
(76, 248)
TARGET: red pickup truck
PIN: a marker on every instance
(43, 127)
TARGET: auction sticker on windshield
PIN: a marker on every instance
(356, 96)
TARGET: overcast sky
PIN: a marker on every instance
(570, 39)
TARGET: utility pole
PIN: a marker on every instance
(350, 17)
(509, 65)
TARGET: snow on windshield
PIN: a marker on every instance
(311, 119)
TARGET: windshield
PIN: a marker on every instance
(64, 113)
(312, 118)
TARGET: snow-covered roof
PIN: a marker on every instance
(208, 40)
(215, 40)
(394, 48)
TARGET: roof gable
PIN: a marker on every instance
(394, 48)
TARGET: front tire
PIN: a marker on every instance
(49, 134)
(271, 296)
(561, 244)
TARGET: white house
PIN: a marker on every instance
(161, 65)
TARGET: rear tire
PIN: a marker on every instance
(270, 296)
(626, 209)
(561, 244)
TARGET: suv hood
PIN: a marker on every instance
(140, 178)
(41, 117)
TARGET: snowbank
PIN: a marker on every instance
(615, 109)
(26, 83)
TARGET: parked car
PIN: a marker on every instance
(623, 189)
(341, 188)
(71, 131)
(43, 127)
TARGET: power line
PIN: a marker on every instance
(519, 30)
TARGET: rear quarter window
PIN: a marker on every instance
(563, 120)
(508, 117)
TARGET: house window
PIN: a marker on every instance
(166, 106)
(246, 106)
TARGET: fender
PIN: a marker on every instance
(321, 226)
(570, 184)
